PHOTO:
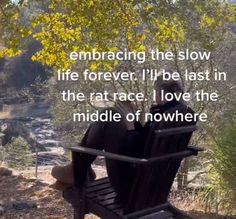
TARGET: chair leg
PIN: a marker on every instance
(79, 204)
(178, 214)
(79, 213)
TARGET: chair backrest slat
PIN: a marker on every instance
(153, 182)
(172, 131)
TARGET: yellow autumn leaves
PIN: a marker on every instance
(82, 25)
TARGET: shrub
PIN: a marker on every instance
(17, 154)
(221, 190)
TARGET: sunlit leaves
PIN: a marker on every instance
(85, 25)
(79, 25)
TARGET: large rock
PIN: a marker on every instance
(25, 110)
(5, 172)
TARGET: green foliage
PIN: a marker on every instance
(221, 191)
(225, 157)
(17, 154)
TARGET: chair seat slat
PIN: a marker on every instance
(98, 182)
(100, 193)
(107, 196)
(109, 202)
(158, 215)
(99, 187)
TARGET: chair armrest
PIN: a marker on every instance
(190, 151)
(108, 155)
(175, 131)
(195, 149)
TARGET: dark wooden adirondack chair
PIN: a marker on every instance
(166, 146)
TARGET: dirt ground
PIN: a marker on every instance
(50, 204)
